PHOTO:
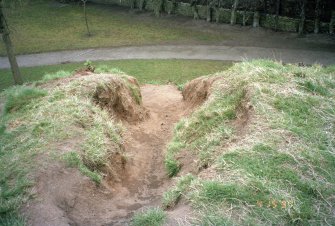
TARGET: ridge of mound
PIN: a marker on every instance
(258, 150)
(75, 121)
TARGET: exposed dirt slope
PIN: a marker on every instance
(65, 197)
(198, 90)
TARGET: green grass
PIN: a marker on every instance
(73, 159)
(146, 71)
(204, 130)
(19, 97)
(56, 75)
(40, 26)
(33, 124)
(34, 118)
(17, 149)
(172, 196)
(277, 169)
(149, 217)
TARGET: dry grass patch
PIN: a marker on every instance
(275, 167)
(38, 121)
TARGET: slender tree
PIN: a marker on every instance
(244, 18)
(158, 7)
(233, 12)
(332, 22)
(86, 20)
(317, 16)
(132, 4)
(4, 30)
(174, 5)
(217, 6)
(256, 19)
(193, 4)
(209, 10)
(302, 17)
(256, 6)
(277, 14)
(142, 4)
(247, 5)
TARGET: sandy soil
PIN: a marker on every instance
(67, 198)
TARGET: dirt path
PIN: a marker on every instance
(145, 179)
(203, 52)
(79, 202)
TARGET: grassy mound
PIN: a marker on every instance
(60, 121)
(261, 149)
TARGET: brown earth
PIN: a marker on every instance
(65, 197)
(198, 90)
(121, 100)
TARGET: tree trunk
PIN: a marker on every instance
(277, 14)
(217, 11)
(317, 17)
(302, 18)
(195, 9)
(195, 12)
(209, 11)
(173, 7)
(132, 4)
(157, 7)
(244, 21)
(217, 14)
(9, 47)
(86, 21)
(142, 5)
(233, 13)
(255, 22)
(332, 23)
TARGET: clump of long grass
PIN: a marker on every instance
(275, 169)
(37, 120)
(151, 216)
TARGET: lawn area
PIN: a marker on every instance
(40, 26)
(146, 71)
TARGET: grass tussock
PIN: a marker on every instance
(56, 75)
(38, 121)
(172, 196)
(19, 97)
(152, 217)
(277, 167)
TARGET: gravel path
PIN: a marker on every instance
(203, 52)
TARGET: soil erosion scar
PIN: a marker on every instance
(144, 179)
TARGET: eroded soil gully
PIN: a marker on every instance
(144, 178)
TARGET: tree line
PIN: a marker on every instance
(317, 10)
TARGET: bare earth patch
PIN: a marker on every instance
(238, 144)
(64, 196)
